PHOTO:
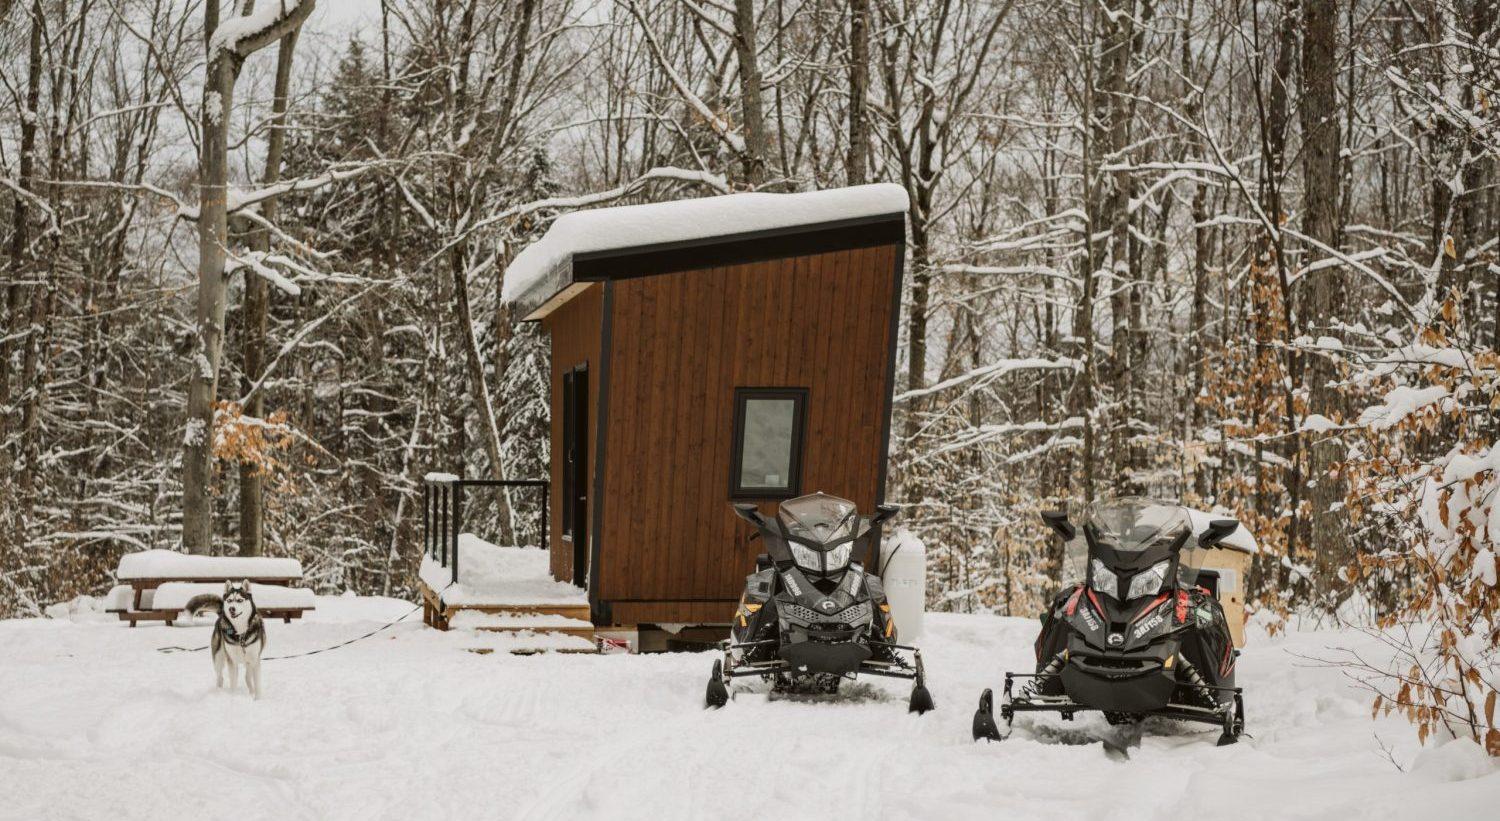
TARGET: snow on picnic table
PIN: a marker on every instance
(406, 725)
(169, 564)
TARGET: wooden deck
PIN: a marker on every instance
(539, 620)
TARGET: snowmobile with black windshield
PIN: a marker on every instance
(811, 616)
(1139, 636)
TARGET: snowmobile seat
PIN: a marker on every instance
(1209, 580)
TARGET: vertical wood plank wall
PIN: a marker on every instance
(681, 343)
(574, 328)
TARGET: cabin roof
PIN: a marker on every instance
(681, 235)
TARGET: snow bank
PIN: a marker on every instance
(96, 724)
(175, 595)
(493, 575)
(81, 609)
(169, 564)
(628, 226)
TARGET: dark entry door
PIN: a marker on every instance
(575, 468)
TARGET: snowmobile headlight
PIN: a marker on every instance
(838, 558)
(1104, 580)
(1148, 581)
(806, 557)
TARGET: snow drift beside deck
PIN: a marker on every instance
(631, 226)
(491, 575)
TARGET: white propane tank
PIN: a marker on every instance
(903, 570)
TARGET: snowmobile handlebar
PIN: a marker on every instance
(884, 513)
(1058, 521)
(749, 513)
(1218, 530)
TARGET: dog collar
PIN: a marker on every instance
(233, 637)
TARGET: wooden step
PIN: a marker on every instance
(534, 632)
(520, 621)
(438, 613)
(581, 632)
(534, 651)
(568, 611)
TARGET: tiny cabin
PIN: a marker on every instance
(725, 349)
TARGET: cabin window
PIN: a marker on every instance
(768, 442)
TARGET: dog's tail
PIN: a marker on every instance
(204, 603)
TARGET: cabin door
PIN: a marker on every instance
(575, 469)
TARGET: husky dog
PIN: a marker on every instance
(239, 634)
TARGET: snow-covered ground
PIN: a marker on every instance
(94, 723)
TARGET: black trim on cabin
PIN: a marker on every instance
(711, 252)
(737, 443)
(890, 393)
(599, 609)
(738, 249)
(576, 455)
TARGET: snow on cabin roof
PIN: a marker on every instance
(634, 226)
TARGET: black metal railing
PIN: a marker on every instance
(443, 512)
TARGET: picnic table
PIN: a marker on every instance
(155, 585)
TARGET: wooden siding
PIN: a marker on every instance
(680, 345)
(673, 612)
(575, 331)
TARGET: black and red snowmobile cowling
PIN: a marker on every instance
(1139, 636)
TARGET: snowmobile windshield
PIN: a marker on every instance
(1134, 524)
(822, 530)
(819, 518)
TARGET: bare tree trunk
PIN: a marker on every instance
(1114, 81)
(197, 454)
(859, 86)
(20, 236)
(475, 363)
(221, 74)
(257, 299)
(757, 143)
(1324, 297)
(1271, 254)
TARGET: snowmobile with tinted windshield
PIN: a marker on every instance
(1139, 637)
(810, 616)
